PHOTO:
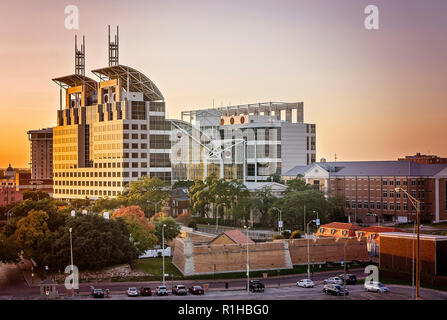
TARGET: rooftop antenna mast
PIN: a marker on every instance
(80, 57)
(114, 49)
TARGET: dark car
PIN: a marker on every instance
(98, 293)
(196, 290)
(256, 286)
(334, 289)
(145, 291)
(179, 290)
(350, 278)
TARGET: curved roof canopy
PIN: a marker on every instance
(75, 80)
(138, 82)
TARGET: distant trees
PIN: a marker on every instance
(34, 195)
(146, 193)
(142, 232)
(171, 230)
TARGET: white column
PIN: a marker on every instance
(436, 200)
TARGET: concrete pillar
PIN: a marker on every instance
(289, 115)
(436, 200)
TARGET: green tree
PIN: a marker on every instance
(105, 204)
(171, 230)
(145, 193)
(298, 184)
(31, 230)
(35, 195)
(336, 209)
(262, 202)
(200, 198)
(8, 250)
(97, 243)
(183, 184)
(142, 232)
(293, 203)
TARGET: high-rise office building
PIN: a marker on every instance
(247, 142)
(41, 153)
(110, 132)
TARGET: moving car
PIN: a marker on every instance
(334, 289)
(161, 291)
(376, 287)
(179, 290)
(256, 286)
(196, 290)
(132, 292)
(333, 280)
(350, 278)
(305, 283)
(98, 293)
(145, 291)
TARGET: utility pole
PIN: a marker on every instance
(248, 266)
(163, 249)
(304, 224)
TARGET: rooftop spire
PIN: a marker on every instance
(114, 49)
(80, 57)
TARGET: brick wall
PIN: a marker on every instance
(194, 259)
(327, 250)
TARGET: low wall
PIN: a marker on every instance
(194, 258)
(327, 250)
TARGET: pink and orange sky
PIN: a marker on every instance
(374, 95)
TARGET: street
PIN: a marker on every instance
(283, 288)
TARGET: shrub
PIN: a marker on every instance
(192, 224)
(296, 234)
(278, 237)
(184, 218)
(286, 234)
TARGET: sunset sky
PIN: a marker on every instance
(374, 95)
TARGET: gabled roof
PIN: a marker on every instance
(341, 225)
(237, 236)
(252, 186)
(372, 168)
(138, 82)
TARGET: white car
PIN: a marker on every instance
(334, 280)
(305, 283)
(161, 291)
(132, 292)
(376, 287)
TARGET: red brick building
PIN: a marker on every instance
(425, 159)
(337, 230)
(369, 188)
(398, 249)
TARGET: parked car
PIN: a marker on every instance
(132, 292)
(334, 289)
(145, 291)
(256, 286)
(196, 290)
(98, 293)
(350, 278)
(333, 280)
(305, 283)
(376, 287)
(179, 290)
(161, 291)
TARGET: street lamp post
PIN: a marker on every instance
(156, 204)
(417, 205)
(163, 249)
(279, 218)
(71, 249)
(308, 249)
(248, 266)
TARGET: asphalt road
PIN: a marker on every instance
(283, 288)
